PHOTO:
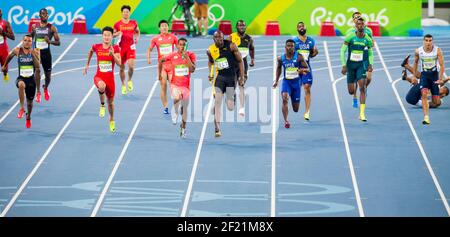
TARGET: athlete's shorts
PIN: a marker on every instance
(30, 86)
(306, 78)
(414, 95)
(110, 85)
(179, 92)
(127, 53)
(168, 68)
(3, 55)
(427, 80)
(355, 72)
(226, 84)
(46, 60)
(200, 10)
(292, 87)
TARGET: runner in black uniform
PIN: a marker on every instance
(225, 57)
(42, 36)
(29, 73)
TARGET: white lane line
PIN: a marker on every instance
(42, 78)
(122, 153)
(344, 134)
(47, 152)
(274, 130)
(416, 138)
(199, 149)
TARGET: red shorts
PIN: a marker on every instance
(127, 53)
(167, 67)
(110, 85)
(3, 55)
(180, 92)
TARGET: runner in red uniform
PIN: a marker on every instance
(164, 43)
(107, 56)
(182, 63)
(126, 30)
(5, 31)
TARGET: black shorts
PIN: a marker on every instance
(46, 60)
(30, 86)
(226, 84)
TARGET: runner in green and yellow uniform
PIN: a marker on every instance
(355, 44)
(368, 32)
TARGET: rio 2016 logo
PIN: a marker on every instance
(321, 14)
(17, 15)
(212, 10)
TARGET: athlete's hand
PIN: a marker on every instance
(344, 70)
(241, 81)
(111, 51)
(252, 62)
(414, 81)
(439, 82)
(4, 69)
(303, 71)
(47, 39)
(370, 68)
(85, 70)
(149, 60)
(275, 84)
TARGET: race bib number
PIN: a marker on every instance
(105, 66)
(429, 63)
(244, 51)
(304, 53)
(181, 70)
(222, 63)
(2, 40)
(165, 49)
(356, 56)
(133, 47)
(41, 44)
(291, 73)
(26, 71)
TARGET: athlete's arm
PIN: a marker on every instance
(278, 72)
(441, 65)
(149, 52)
(210, 66)
(37, 69)
(116, 56)
(137, 33)
(191, 64)
(56, 42)
(370, 51)
(304, 66)
(343, 61)
(13, 53)
(416, 62)
(251, 48)
(91, 52)
(314, 53)
(238, 58)
(8, 32)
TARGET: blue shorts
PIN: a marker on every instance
(414, 95)
(292, 87)
(427, 80)
(306, 78)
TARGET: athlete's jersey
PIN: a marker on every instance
(356, 47)
(25, 63)
(165, 44)
(428, 60)
(243, 43)
(39, 34)
(290, 67)
(181, 74)
(224, 59)
(304, 48)
(105, 61)
(128, 30)
(3, 42)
